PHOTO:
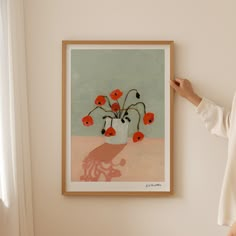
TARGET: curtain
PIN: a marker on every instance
(16, 211)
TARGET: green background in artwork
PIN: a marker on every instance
(99, 71)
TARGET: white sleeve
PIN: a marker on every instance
(215, 118)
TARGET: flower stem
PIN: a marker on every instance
(133, 105)
(108, 100)
(139, 117)
(103, 129)
(127, 96)
(119, 112)
(102, 109)
(104, 117)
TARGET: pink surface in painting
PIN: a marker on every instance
(94, 160)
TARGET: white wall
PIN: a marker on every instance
(205, 34)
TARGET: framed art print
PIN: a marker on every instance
(117, 117)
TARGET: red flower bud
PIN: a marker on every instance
(138, 136)
(116, 94)
(115, 107)
(148, 118)
(110, 132)
(100, 100)
(87, 120)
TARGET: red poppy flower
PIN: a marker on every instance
(138, 136)
(100, 100)
(115, 107)
(116, 94)
(110, 132)
(87, 120)
(148, 118)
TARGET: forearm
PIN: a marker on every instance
(216, 118)
(194, 99)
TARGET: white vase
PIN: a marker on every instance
(121, 129)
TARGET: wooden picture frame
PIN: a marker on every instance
(107, 85)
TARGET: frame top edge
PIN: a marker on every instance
(114, 42)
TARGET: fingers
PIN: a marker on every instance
(180, 80)
(174, 85)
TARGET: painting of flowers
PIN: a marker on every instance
(117, 117)
(115, 128)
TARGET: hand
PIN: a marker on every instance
(184, 88)
(232, 231)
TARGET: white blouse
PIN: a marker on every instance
(223, 123)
